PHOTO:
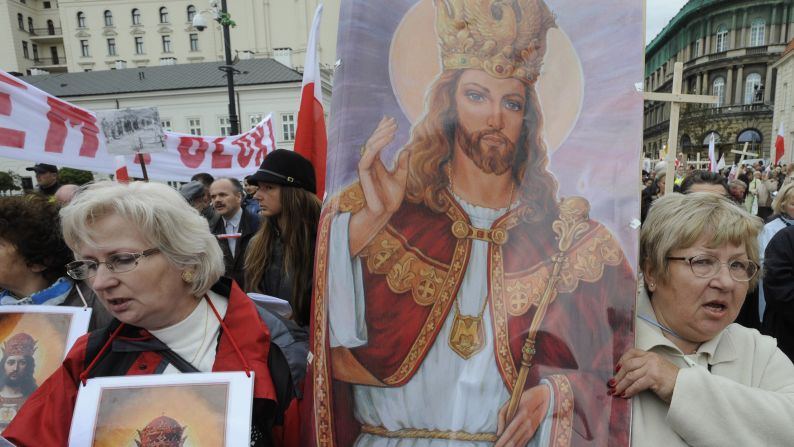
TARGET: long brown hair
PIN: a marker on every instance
(431, 147)
(300, 210)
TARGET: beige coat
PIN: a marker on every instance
(747, 399)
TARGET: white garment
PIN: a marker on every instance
(447, 393)
(769, 231)
(746, 399)
(195, 338)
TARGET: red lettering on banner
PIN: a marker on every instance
(62, 112)
(11, 81)
(10, 137)
(192, 159)
(219, 158)
(250, 144)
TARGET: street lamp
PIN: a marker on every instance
(222, 16)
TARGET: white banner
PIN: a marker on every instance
(41, 128)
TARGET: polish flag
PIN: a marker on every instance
(779, 147)
(310, 137)
(122, 176)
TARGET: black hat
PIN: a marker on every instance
(41, 168)
(288, 168)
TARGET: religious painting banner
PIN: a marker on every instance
(198, 410)
(34, 341)
(475, 266)
(41, 128)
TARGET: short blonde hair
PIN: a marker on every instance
(677, 221)
(163, 217)
(785, 194)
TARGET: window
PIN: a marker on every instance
(166, 44)
(47, 5)
(136, 17)
(108, 18)
(30, 25)
(35, 52)
(56, 60)
(84, 48)
(194, 126)
(50, 28)
(111, 47)
(25, 50)
(165, 123)
(751, 136)
(287, 126)
(722, 39)
(191, 12)
(21, 22)
(718, 90)
(194, 46)
(758, 33)
(139, 45)
(752, 85)
(254, 119)
(225, 126)
(80, 19)
(707, 138)
(163, 15)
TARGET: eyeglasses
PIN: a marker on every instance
(707, 266)
(116, 263)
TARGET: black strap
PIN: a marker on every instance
(788, 224)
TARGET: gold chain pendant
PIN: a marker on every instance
(467, 336)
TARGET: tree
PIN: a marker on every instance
(75, 176)
(7, 182)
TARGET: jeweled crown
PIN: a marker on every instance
(19, 344)
(505, 38)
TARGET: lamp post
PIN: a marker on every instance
(222, 16)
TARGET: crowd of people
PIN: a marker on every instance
(168, 272)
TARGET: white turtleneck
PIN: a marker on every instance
(195, 338)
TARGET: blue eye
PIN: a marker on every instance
(474, 96)
(515, 106)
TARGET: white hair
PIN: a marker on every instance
(163, 217)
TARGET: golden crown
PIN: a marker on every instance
(505, 38)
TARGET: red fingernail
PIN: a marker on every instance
(611, 383)
(617, 368)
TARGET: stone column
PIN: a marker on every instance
(707, 38)
(768, 84)
(732, 34)
(772, 38)
(743, 42)
(729, 87)
(740, 85)
(698, 85)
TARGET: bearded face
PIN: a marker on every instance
(490, 119)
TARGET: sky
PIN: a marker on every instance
(657, 14)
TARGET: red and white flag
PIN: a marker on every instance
(122, 176)
(779, 146)
(310, 138)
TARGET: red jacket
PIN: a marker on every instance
(46, 417)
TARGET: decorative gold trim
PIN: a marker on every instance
(420, 433)
(501, 336)
(562, 420)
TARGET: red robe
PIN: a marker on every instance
(585, 330)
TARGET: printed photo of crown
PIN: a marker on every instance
(505, 38)
(19, 344)
(163, 431)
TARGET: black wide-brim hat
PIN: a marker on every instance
(41, 168)
(287, 168)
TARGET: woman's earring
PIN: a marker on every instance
(187, 276)
(651, 286)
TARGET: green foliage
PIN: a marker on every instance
(226, 20)
(7, 182)
(75, 176)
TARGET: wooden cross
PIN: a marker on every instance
(676, 98)
(743, 152)
(699, 164)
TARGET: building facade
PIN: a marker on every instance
(729, 49)
(784, 101)
(87, 35)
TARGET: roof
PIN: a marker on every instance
(789, 48)
(162, 78)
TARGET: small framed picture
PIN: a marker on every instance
(34, 341)
(184, 410)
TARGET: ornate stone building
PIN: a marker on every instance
(728, 48)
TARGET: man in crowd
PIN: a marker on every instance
(46, 177)
(197, 196)
(233, 225)
(16, 375)
(205, 179)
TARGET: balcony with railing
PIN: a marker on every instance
(50, 63)
(42, 35)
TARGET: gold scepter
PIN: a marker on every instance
(570, 226)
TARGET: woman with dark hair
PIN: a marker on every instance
(280, 258)
(33, 257)
(705, 181)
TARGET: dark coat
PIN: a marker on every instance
(779, 290)
(249, 224)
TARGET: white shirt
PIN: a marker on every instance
(233, 226)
